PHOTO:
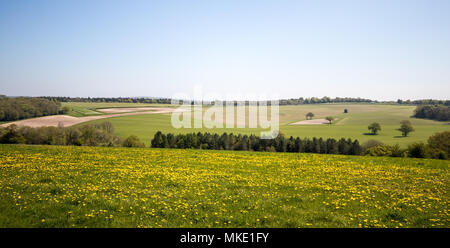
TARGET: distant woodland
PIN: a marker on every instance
(433, 112)
(12, 109)
(292, 101)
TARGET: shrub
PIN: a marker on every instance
(64, 110)
(11, 135)
(417, 150)
(397, 151)
(270, 149)
(439, 145)
(381, 150)
(132, 141)
(369, 144)
(386, 150)
(309, 116)
(73, 137)
(440, 155)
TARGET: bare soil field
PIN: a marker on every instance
(311, 122)
(128, 110)
(67, 121)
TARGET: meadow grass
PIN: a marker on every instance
(63, 186)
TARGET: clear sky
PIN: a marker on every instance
(379, 49)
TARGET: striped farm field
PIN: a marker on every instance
(63, 186)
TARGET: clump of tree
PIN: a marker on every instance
(374, 128)
(88, 135)
(309, 116)
(254, 143)
(405, 127)
(433, 112)
(12, 109)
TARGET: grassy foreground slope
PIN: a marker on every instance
(56, 186)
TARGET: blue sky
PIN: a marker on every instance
(373, 49)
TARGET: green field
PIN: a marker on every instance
(351, 125)
(63, 186)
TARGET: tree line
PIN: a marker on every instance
(325, 99)
(437, 147)
(424, 102)
(87, 135)
(229, 141)
(433, 112)
(12, 109)
(292, 101)
(147, 100)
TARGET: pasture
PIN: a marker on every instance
(350, 125)
(63, 186)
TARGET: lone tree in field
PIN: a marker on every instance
(374, 128)
(309, 116)
(329, 119)
(405, 127)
